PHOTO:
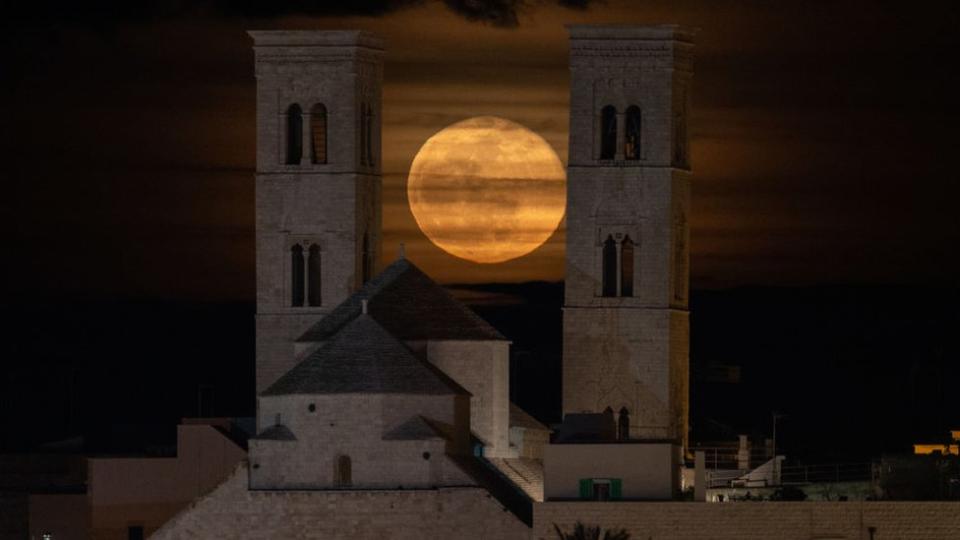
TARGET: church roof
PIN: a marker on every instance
(276, 432)
(417, 428)
(362, 357)
(410, 305)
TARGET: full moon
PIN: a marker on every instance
(487, 189)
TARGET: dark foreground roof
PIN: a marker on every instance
(363, 358)
(586, 427)
(410, 305)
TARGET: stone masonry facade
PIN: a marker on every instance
(354, 425)
(236, 513)
(757, 520)
(489, 387)
(334, 204)
(625, 344)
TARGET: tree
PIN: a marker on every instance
(583, 532)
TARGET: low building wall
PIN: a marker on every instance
(756, 520)
(645, 470)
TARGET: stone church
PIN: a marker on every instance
(382, 406)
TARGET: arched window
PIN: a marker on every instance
(631, 146)
(296, 275)
(609, 267)
(366, 261)
(314, 297)
(623, 424)
(294, 134)
(608, 132)
(342, 472)
(626, 266)
(318, 133)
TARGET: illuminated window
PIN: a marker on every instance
(294, 134)
(631, 145)
(296, 275)
(314, 297)
(626, 267)
(46, 536)
(609, 276)
(318, 133)
(608, 132)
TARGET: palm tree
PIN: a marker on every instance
(583, 532)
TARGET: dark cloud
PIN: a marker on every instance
(500, 13)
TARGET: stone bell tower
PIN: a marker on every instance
(317, 183)
(626, 318)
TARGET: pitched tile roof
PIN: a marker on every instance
(417, 428)
(276, 432)
(410, 305)
(362, 357)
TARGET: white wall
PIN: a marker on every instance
(483, 368)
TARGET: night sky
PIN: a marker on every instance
(822, 136)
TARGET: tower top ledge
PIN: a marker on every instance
(315, 38)
(658, 32)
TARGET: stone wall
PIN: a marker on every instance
(233, 512)
(628, 350)
(530, 443)
(633, 358)
(354, 425)
(334, 204)
(757, 520)
(482, 367)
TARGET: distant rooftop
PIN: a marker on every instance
(637, 32)
(276, 432)
(362, 357)
(315, 38)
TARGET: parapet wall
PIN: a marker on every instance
(756, 520)
(234, 512)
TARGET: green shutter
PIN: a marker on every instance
(616, 489)
(586, 488)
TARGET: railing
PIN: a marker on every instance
(728, 457)
(818, 474)
(793, 475)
